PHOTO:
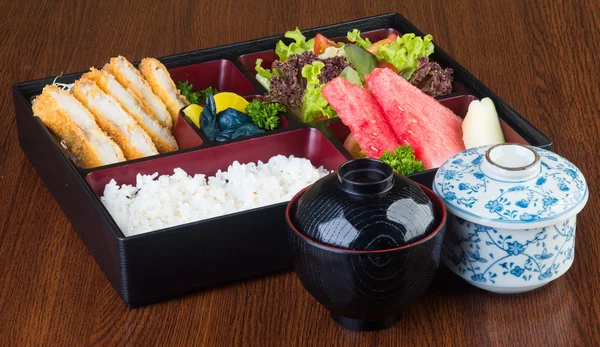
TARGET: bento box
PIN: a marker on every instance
(168, 263)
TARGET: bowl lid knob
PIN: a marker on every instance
(365, 177)
(511, 162)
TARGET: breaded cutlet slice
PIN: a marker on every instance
(161, 136)
(133, 80)
(159, 79)
(114, 120)
(75, 125)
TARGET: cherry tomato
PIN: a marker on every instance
(385, 64)
(321, 43)
(374, 48)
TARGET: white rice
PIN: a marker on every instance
(157, 203)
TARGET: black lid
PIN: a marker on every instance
(365, 206)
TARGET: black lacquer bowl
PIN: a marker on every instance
(366, 289)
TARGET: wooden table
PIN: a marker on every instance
(542, 57)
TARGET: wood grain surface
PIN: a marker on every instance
(542, 57)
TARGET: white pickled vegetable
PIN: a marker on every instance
(481, 125)
(331, 52)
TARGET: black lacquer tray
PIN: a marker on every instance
(167, 263)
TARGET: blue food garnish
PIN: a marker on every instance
(226, 125)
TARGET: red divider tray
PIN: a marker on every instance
(306, 143)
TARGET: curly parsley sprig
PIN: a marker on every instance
(265, 116)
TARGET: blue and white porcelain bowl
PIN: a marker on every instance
(512, 216)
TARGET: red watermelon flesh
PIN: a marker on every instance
(432, 130)
(358, 110)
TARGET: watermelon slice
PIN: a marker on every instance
(359, 111)
(417, 119)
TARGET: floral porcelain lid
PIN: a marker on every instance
(511, 186)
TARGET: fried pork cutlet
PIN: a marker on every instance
(114, 120)
(133, 80)
(160, 81)
(75, 125)
(161, 136)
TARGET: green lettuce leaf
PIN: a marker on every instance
(263, 76)
(314, 104)
(266, 73)
(404, 53)
(350, 75)
(300, 46)
(363, 61)
(354, 36)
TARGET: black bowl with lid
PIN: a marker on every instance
(365, 242)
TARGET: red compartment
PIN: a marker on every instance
(458, 104)
(254, 96)
(306, 143)
(339, 130)
(249, 60)
(185, 134)
(220, 74)
(457, 87)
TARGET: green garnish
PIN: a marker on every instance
(263, 76)
(266, 73)
(204, 93)
(314, 105)
(363, 61)
(298, 47)
(404, 53)
(185, 88)
(354, 36)
(350, 75)
(403, 160)
(264, 116)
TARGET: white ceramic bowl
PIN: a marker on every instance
(512, 216)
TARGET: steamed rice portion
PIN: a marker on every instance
(157, 203)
